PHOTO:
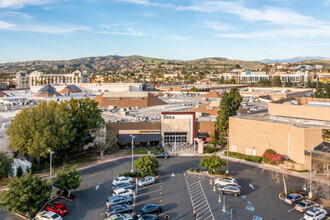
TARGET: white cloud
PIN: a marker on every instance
(216, 25)
(22, 3)
(327, 2)
(178, 37)
(6, 26)
(129, 32)
(108, 26)
(148, 3)
(282, 33)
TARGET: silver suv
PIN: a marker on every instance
(118, 200)
(230, 189)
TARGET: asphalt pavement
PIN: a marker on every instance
(171, 191)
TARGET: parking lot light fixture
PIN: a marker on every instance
(50, 168)
(213, 187)
(227, 153)
(132, 151)
(219, 198)
(310, 194)
(224, 204)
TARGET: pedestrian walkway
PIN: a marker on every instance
(197, 196)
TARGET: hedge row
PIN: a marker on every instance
(255, 159)
(137, 174)
(210, 150)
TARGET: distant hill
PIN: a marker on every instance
(292, 60)
(115, 62)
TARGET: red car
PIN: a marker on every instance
(58, 208)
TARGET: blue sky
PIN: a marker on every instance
(174, 29)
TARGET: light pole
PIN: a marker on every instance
(310, 194)
(132, 150)
(227, 153)
(50, 169)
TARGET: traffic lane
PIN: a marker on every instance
(175, 193)
(261, 190)
(5, 215)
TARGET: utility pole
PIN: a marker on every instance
(132, 151)
(50, 168)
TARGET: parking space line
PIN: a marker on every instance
(145, 193)
(146, 201)
(201, 207)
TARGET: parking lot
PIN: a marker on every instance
(179, 193)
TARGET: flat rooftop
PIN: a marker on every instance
(297, 122)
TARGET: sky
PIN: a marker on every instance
(172, 29)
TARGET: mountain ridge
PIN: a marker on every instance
(293, 59)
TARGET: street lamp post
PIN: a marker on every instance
(50, 168)
(310, 194)
(132, 150)
(227, 153)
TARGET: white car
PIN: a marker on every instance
(123, 192)
(119, 217)
(122, 179)
(225, 181)
(46, 215)
(146, 181)
(315, 214)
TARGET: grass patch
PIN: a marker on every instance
(145, 151)
(255, 159)
(299, 171)
(81, 160)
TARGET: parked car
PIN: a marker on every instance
(225, 181)
(47, 215)
(123, 185)
(146, 181)
(315, 214)
(149, 209)
(162, 155)
(148, 217)
(118, 200)
(119, 217)
(230, 189)
(293, 198)
(304, 205)
(58, 208)
(123, 192)
(122, 179)
(119, 209)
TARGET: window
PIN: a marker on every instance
(254, 152)
(233, 148)
(247, 151)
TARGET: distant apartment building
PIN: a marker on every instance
(292, 127)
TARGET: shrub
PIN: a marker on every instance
(58, 161)
(295, 191)
(288, 192)
(312, 198)
(65, 193)
(219, 172)
(255, 159)
(197, 170)
(210, 150)
(302, 193)
(58, 192)
(46, 165)
(251, 158)
(154, 173)
(226, 174)
(19, 171)
(128, 174)
(191, 169)
(272, 157)
(121, 174)
(28, 170)
(210, 172)
(143, 175)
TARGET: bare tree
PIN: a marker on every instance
(104, 139)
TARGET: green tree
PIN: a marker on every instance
(86, 118)
(277, 81)
(6, 169)
(25, 194)
(194, 89)
(19, 171)
(228, 106)
(67, 179)
(288, 84)
(38, 129)
(146, 164)
(321, 92)
(212, 162)
(265, 83)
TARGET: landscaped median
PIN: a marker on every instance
(250, 158)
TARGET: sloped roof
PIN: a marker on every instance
(211, 108)
(128, 99)
(324, 147)
(212, 94)
(3, 94)
(71, 89)
(47, 91)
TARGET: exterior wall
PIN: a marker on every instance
(259, 136)
(179, 122)
(205, 127)
(128, 127)
(299, 111)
